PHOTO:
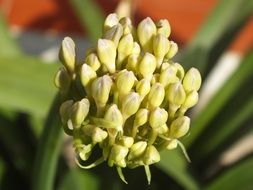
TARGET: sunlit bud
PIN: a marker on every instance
(175, 93)
(65, 110)
(114, 34)
(147, 65)
(106, 50)
(151, 155)
(118, 153)
(67, 54)
(132, 62)
(163, 129)
(137, 149)
(192, 80)
(179, 127)
(126, 141)
(172, 144)
(141, 117)
(136, 49)
(87, 74)
(114, 115)
(156, 95)
(125, 82)
(155, 78)
(143, 87)
(168, 76)
(98, 135)
(79, 111)
(191, 99)
(179, 70)
(92, 61)
(100, 89)
(110, 21)
(172, 51)
(125, 48)
(163, 27)
(85, 152)
(146, 30)
(158, 117)
(127, 25)
(161, 46)
(130, 104)
(62, 80)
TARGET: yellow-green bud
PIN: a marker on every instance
(100, 89)
(85, 152)
(114, 115)
(175, 93)
(156, 95)
(155, 78)
(179, 70)
(87, 74)
(117, 156)
(179, 127)
(114, 34)
(106, 50)
(136, 49)
(141, 117)
(151, 155)
(163, 129)
(172, 50)
(168, 76)
(143, 87)
(62, 80)
(65, 110)
(147, 65)
(125, 82)
(158, 118)
(161, 46)
(110, 21)
(191, 99)
(125, 48)
(172, 144)
(98, 135)
(132, 62)
(126, 141)
(79, 112)
(67, 54)
(130, 104)
(146, 30)
(163, 27)
(192, 80)
(127, 25)
(136, 150)
(92, 61)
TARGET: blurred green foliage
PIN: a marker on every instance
(26, 95)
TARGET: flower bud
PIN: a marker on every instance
(179, 70)
(98, 135)
(147, 65)
(65, 110)
(126, 141)
(100, 89)
(137, 149)
(132, 62)
(175, 93)
(192, 80)
(125, 82)
(67, 54)
(161, 46)
(172, 50)
(114, 34)
(156, 95)
(151, 155)
(143, 87)
(155, 78)
(136, 49)
(191, 99)
(146, 30)
(62, 80)
(130, 104)
(158, 117)
(114, 115)
(168, 76)
(79, 112)
(87, 74)
(117, 156)
(179, 127)
(125, 48)
(127, 25)
(163, 129)
(92, 61)
(141, 117)
(85, 152)
(163, 27)
(172, 144)
(110, 21)
(106, 50)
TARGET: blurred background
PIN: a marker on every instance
(214, 36)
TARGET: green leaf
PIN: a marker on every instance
(90, 17)
(237, 177)
(2, 170)
(217, 32)
(175, 165)
(48, 150)
(26, 84)
(241, 75)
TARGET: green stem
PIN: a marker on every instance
(152, 137)
(48, 150)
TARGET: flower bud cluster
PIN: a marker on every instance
(127, 97)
